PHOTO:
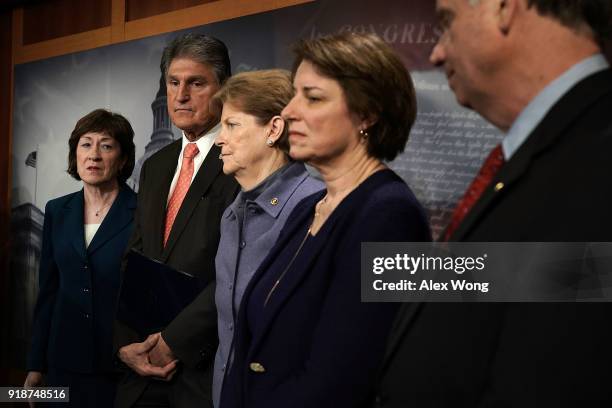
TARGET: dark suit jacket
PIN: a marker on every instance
(319, 344)
(556, 188)
(73, 319)
(192, 246)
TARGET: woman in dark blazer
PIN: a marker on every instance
(304, 338)
(84, 237)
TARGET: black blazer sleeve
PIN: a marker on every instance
(192, 335)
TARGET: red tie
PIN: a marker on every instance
(181, 188)
(478, 186)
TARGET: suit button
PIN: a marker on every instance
(257, 368)
(242, 244)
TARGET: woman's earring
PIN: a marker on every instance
(270, 142)
(364, 134)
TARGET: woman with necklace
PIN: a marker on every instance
(304, 338)
(84, 237)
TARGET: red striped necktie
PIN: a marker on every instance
(181, 188)
(488, 170)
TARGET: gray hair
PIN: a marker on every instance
(200, 48)
(593, 15)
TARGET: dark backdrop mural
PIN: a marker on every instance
(444, 152)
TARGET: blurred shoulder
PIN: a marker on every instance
(387, 207)
(386, 188)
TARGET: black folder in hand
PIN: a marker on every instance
(153, 293)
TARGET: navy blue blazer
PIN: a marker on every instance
(73, 318)
(312, 342)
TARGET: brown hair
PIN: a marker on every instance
(375, 83)
(111, 124)
(262, 94)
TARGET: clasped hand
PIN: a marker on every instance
(151, 358)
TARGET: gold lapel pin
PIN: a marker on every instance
(256, 367)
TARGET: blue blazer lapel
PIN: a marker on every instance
(74, 213)
(119, 216)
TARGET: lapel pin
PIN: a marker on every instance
(257, 367)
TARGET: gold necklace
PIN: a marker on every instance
(102, 208)
(297, 252)
(282, 275)
(319, 205)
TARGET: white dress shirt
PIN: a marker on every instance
(90, 231)
(204, 145)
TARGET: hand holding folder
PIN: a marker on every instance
(153, 294)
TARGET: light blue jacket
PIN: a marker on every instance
(243, 247)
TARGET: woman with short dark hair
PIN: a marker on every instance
(84, 237)
(304, 338)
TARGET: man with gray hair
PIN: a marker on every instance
(534, 69)
(182, 195)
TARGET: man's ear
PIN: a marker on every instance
(506, 14)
